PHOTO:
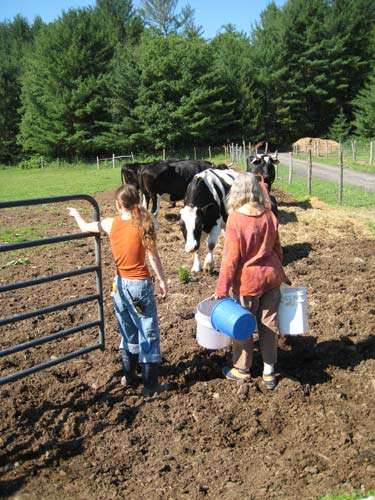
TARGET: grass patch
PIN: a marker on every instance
(355, 495)
(17, 183)
(18, 235)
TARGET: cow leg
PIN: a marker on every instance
(155, 204)
(196, 264)
(211, 243)
(145, 201)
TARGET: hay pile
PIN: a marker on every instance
(316, 145)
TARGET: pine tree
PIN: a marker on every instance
(15, 36)
(64, 87)
(340, 128)
(162, 15)
(364, 106)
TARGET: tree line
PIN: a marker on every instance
(113, 78)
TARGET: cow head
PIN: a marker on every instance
(194, 220)
(263, 165)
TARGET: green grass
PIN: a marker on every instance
(17, 183)
(326, 191)
(18, 235)
(332, 159)
(356, 495)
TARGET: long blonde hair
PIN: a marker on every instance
(128, 197)
(245, 189)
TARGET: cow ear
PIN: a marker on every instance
(275, 161)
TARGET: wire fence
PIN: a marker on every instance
(334, 184)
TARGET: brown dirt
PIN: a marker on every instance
(74, 432)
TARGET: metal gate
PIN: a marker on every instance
(98, 297)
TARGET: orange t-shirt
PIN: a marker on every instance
(128, 250)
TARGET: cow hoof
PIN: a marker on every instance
(195, 270)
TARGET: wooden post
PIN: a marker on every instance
(371, 152)
(195, 153)
(290, 168)
(309, 174)
(266, 149)
(244, 154)
(339, 150)
(341, 190)
(353, 150)
(209, 152)
(41, 162)
(326, 149)
(97, 162)
(163, 153)
(249, 148)
(113, 160)
(131, 154)
(317, 149)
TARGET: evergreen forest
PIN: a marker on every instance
(115, 78)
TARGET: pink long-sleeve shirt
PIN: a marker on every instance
(252, 258)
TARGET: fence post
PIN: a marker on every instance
(326, 149)
(290, 174)
(341, 190)
(41, 162)
(113, 160)
(163, 153)
(266, 149)
(209, 152)
(244, 154)
(353, 150)
(371, 152)
(339, 150)
(309, 174)
(132, 156)
(97, 162)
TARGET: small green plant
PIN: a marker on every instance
(183, 274)
(21, 261)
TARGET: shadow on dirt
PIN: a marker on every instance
(287, 217)
(63, 420)
(294, 252)
(307, 360)
(305, 204)
(302, 359)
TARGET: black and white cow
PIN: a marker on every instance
(264, 164)
(163, 177)
(205, 211)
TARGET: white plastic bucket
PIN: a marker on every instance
(207, 336)
(293, 315)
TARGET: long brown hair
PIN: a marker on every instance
(128, 197)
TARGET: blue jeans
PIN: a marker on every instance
(139, 331)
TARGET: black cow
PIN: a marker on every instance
(205, 211)
(163, 177)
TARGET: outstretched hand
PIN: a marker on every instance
(73, 212)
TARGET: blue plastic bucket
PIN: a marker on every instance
(230, 318)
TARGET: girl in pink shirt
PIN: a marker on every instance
(252, 269)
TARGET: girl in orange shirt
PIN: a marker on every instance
(132, 236)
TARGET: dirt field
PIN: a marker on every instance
(75, 432)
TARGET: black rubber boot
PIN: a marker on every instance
(150, 375)
(129, 363)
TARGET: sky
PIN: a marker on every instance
(210, 14)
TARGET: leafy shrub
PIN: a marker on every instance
(183, 274)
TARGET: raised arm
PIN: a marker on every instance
(85, 227)
(157, 267)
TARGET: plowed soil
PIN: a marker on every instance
(74, 432)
